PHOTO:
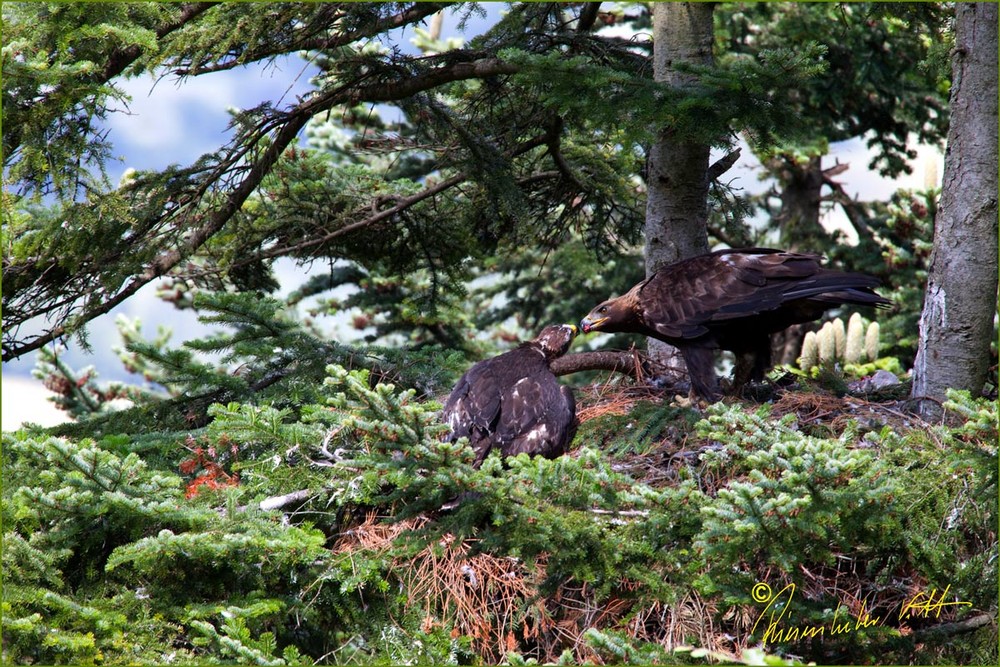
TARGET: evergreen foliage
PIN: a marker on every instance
(803, 500)
(114, 551)
(271, 494)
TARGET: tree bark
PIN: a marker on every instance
(801, 195)
(677, 168)
(956, 325)
(631, 363)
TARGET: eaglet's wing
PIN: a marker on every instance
(537, 417)
(472, 410)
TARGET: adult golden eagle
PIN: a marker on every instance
(733, 300)
(513, 401)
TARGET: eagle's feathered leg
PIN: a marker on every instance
(700, 363)
(752, 363)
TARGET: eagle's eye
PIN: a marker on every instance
(602, 309)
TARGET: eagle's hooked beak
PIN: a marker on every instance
(587, 325)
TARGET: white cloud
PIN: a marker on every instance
(25, 399)
(172, 121)
(155, 119)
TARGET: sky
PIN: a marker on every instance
(167, 122)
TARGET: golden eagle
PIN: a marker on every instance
(733, 300)
(513, 401)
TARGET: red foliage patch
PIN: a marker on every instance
(213, 477)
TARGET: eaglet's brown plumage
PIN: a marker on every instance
(514, 402)
(733, 300)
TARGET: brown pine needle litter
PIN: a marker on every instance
(492, 599)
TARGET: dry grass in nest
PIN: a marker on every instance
(576, 609)
(835, 412)
(483, 596)
(673, 625)
(612, 398)
(496, 602)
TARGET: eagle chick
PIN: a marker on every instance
(514, 402)
(733, 300)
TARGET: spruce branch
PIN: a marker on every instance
(285, 127)
(414, 14)
(122, 58)
(54, 103)
(402, 204)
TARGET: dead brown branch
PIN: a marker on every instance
(628, 363)
(723, 164)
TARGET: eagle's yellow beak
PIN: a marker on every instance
(588, 325)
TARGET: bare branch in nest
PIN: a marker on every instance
(959, 627)
(631, 363)
(280, 502)
(626, 513)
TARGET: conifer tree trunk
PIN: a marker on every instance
(957, 321)
(801, 196)
(677, 169)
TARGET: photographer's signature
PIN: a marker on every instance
(779, 626)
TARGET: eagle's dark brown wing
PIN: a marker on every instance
(472, 410)
(685, 299)
(537, 417)
(734, 300)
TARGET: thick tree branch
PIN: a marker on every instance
(631, 363)
(396, 90)
(418, 12)
(854, 210)
(588, 15)
(552, 140)
(720, 234)
(122, 58)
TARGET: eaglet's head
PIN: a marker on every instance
(555, 340)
